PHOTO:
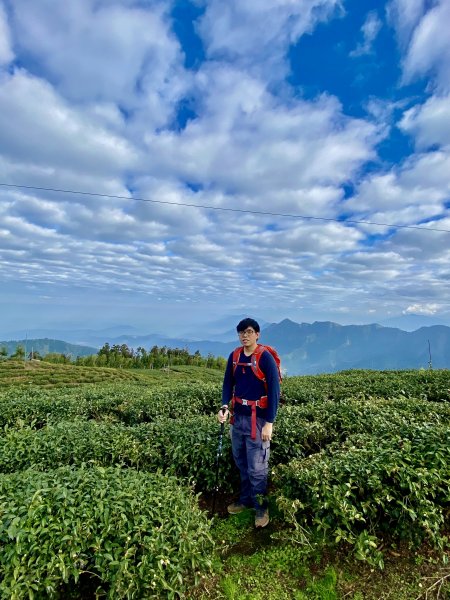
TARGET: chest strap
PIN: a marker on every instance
(261, 403)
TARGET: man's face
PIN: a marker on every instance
(248, 337)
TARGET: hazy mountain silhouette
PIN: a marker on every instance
(319, 347)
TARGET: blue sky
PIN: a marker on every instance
(199, 126)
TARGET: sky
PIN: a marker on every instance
(166, 164)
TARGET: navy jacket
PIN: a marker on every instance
(245, 384)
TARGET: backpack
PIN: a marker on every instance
(254, 362)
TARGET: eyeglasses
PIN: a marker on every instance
(246, 332)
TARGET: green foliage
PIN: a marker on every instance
(129, 403)
(120, 355)
(320, 588)
(37, 407)
(72, 443)
(19, 353)
(45, 374)
(305, 429)
(227, 532)
(431, 385)
(60, 373)
(371, 485)
(136, 534)
(173, 402)
(271, 573)
(357, 457)
(186, 448)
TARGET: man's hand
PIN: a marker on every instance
(266, 432)
(222, 415)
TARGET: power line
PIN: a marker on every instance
(225, 209)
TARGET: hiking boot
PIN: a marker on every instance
(262, 518)
(236, 508)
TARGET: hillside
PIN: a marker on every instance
(46, 346)
(41, 373)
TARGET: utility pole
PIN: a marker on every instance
(430, 364)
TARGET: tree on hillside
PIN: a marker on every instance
(3, 352)
(105, 350)
(57, 358)
(19, 354)
(141, 358)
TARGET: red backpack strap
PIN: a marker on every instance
(255, 362)
(236, 355)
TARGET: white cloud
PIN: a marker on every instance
(421, 309)
(248, 142)
(423, 32)
(415, 191)
(39, 127)
(370, 30)
(405, 15)
(429, 123)
(256, 35)
(97, 49)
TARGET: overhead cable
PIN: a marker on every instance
(225, 209)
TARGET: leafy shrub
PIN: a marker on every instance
(130, 403)
(138, 535)
(174, 402)
(38, 407)
(186, 448)
(72, 443)
(305, 429)
(370, 485)
(431, 385)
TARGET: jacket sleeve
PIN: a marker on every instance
(228, 382)
(270, 370)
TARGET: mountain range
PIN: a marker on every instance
(305, 348)
(45, 346)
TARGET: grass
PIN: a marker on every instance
(264, 565)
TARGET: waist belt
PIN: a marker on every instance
(261, 403)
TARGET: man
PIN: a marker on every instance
(254, 405)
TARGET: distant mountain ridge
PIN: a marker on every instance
(47, 346)
(325, 347)
(310, 348)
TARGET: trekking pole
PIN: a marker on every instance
(218, 456)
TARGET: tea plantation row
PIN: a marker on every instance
(104, 473)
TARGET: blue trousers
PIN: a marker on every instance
(252, 460)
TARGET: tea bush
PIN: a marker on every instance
(355, 454)
(37, 407)
(72, 443)
(304, 429)
(186, 448)
(136, 534)
(431, 385)
(174, 402)
(129, 403)
(396, 482)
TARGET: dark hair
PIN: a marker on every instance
(242, 325)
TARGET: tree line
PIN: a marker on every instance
(121, 356)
